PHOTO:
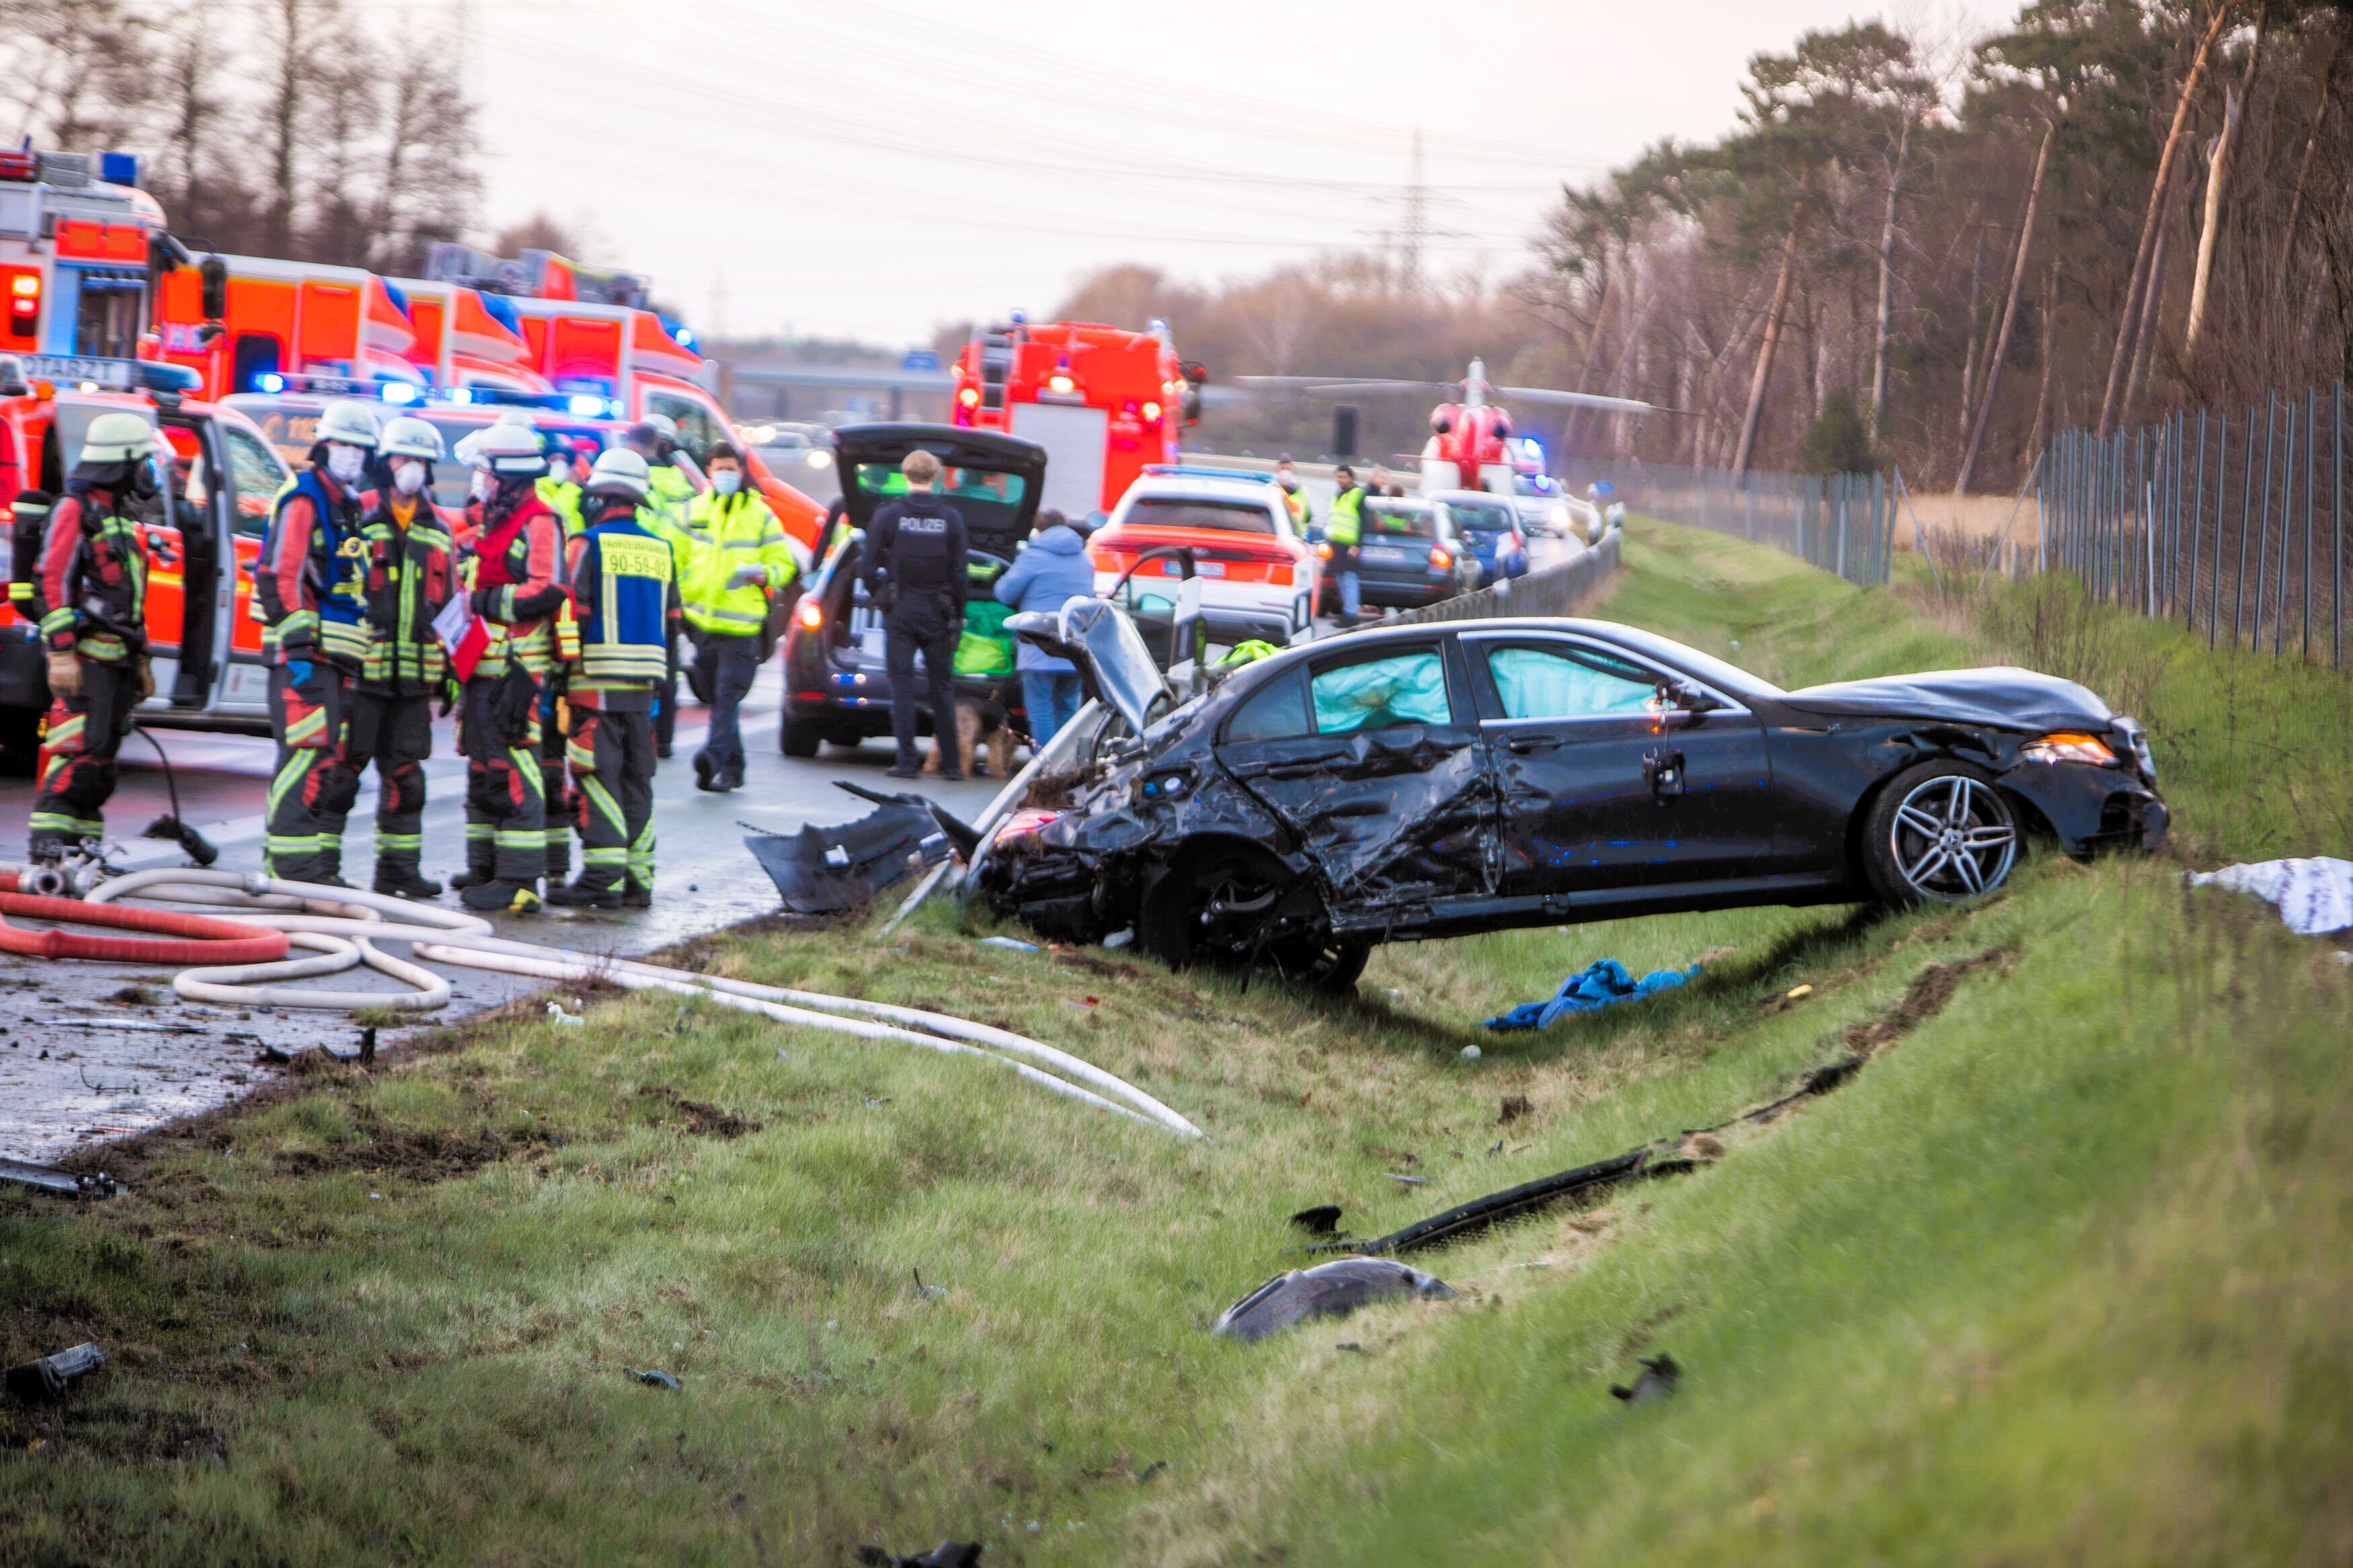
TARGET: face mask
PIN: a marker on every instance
(345, 464)
(408, 475)
(483, 486)
(727, 481)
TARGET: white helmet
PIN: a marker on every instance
(349, 421)
(510, 451)
(409, 436)
(664, 426)
(117, 437)
(618, 469)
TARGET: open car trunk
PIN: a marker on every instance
(994, 481)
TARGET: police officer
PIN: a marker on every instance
(914, 569)
(515, 590)
(89, 597)
(625, 599)
(310, 584)
(667, 515)
(410, 566)
(1343, 525)
(743, 560)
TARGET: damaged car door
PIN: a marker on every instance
(1372, 760)
(1606, 779)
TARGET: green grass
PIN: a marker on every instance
(2063, 1274)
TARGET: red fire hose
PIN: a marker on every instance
(214, 941)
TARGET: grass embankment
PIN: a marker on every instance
(2063, 1273)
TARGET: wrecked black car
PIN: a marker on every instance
(1436, 781)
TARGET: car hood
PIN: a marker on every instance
(1114, 667)
(2004, 697)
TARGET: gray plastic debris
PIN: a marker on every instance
(48, 1377)
(1328, 1291)
(1660, 1374)
(1013, 944)
(653, 1379)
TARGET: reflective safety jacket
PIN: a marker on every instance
(410, 570)
(308, 583)
(562, 499)
(625, 599)
(1345, 523)
(733, 532)
(89, 594)
(517, 581)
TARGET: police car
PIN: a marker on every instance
(1259, 577)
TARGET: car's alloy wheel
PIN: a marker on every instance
(1951, 837)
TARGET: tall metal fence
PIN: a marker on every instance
(2236, 526)
(1842, 523)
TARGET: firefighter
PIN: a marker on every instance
(915, 570)
(1344, 524)
(515, 592)
(666, 514)
(625, 598)
(410, 566)
(743, 560)
(309, 583)
(561, 489)
(89, 597)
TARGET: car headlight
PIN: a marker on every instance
(819, 459)
(2068, 746)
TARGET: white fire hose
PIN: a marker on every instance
(343, 926)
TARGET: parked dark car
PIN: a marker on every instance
(1407, 556)
(1417, 782)
(1491, 526)
(836, 685)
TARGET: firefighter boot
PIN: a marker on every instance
(636, 895)
(398, 875)
(482, 861)
(493, 896)
(585, 894)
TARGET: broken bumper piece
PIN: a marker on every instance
(829, 870)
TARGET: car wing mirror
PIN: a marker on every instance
(1683, 697)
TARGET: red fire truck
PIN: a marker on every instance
(1103, 401)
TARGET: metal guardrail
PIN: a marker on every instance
(1555, 589)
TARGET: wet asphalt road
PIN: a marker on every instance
(83, 1058)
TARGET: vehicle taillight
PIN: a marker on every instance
(1322, 551)
(1151, 412)
(812, 614)
(1438, 557)
(16, 165)
(969, 397)
(25, 303)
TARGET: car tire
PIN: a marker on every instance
(798, 739)
(1174, 907)
(1939, 832)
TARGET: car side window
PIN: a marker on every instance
(1276, 711)
(256, 475)
(1564, 683)
(1379, 693)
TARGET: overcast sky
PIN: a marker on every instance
(876, 169)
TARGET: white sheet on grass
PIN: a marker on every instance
(2313, 896)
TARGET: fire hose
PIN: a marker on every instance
(342, 928)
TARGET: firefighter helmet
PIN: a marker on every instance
(510, 451)
(120, 437)
(348, 421)
(409, 436)
(619, 470)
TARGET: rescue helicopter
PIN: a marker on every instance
(1471, 445)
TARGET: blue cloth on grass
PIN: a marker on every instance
(1602, 985)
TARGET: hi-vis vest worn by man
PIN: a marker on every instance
(1344, 524)
(734, 532)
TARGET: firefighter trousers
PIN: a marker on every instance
(314, 785)
(396, 733)
(78, 752)
(506, 796)
(612, 757)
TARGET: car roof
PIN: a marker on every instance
(1488, 496)
(1202, 487)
